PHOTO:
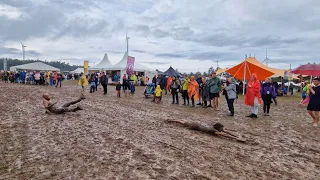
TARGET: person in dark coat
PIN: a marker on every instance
(154, 80)
(267, 93)
(104, 82)
(205, 92)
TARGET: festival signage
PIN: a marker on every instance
(130, 65)
(85, 67)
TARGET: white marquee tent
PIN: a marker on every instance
(36, 66)
(77, 71)
(122, 67)
(103, 65)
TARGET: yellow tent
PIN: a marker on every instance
(277, 72)
(221, 71)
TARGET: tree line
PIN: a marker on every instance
(57, 64)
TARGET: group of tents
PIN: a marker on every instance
(251, 65)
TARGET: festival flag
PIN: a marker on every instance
(130, 65)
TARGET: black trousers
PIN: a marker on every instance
(105, 88)
(175, 96)
(185, 96)
(230, 105)
(205, 103)
(58, 81)
(266, 102)
(192, 100)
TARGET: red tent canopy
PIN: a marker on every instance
(308, 69)
(250, 68)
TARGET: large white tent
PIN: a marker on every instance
(103, 65)
(77, 71)
(36, 66)
(122, 67)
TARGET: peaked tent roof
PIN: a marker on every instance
(253, 60)
(122, 65)
(104, 64)
(77, 71)
(159, 72)
(251, 68)
(172, 72)
(37, 66)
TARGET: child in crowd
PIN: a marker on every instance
(158, 94)
(118, 88)
(284, 91)
(92, 84)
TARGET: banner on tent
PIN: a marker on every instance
(130, 65)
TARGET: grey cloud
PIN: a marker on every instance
(116, 52)
(156, 43)
(160, 34)
(15, 3)
(4, 50)
(15, 51)
(274, 40)
(139, 51)
(41, 21)
(169, 55)
(32, 53)
(156, 63)
(141, 29)
(211, 55)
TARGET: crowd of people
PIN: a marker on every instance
(207, 91)
(33, 77)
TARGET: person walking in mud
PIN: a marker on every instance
(216, 129)
(54, 108)
(314, 103)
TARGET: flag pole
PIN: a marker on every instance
(244, 76)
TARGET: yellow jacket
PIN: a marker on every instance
(83, 81)
(158, 91)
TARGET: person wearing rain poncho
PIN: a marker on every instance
(83, 81)
(193, 90)
(253, 96)
(158, 93)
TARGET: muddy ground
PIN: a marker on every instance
(128, 138)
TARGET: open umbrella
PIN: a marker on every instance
(308, 69)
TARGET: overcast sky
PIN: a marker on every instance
(189, 35)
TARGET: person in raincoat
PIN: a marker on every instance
(253, 96)
(158, 93)
(193, 90)
(134, 78)
(83, 81)
(205, 92)
(168, 84)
